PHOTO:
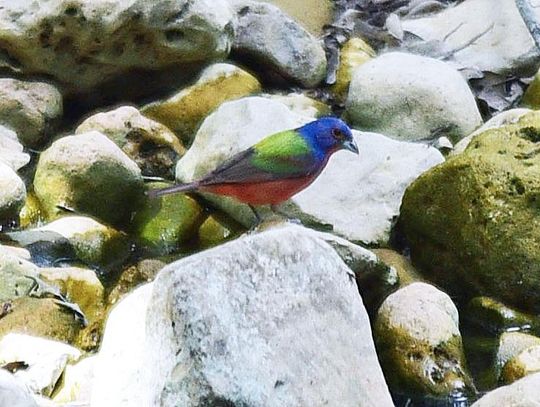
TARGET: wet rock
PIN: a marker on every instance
(216, 230)
(352, 187)
(151, 145)
(31, 214)
(184, 111)
(164, 224)
(523, 393)
(13, 392)
(511, 116)
(44, 360)
(133, 276)
(476, 232)
(16, 275)
(411, 97)
(511, 344)
(354, 53)
(43, 317)
(12, 194)
(407, 274)
(485, 28)
(88, 173)
(75, 385)
(290, 286)
(83, 45)
(419, 343)
(11, 150)
(31, 109)
(274, 43)
(521, 365)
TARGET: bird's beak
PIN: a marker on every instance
(351, 146)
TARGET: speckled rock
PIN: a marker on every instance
(46, 360)
(12, 194)
(184, 111)
(11, 150)
(91, 175)
(272, 42)
(354, 53)
(151, 145)
(419, 343)
(523, 393)
(411, 97)
(31, 109)
(477, 231)
(352, 187)
(83, 45)
(299, 305)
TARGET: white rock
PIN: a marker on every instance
(12, 193)
(11, 150)
(523, 393)
(13, 392)
(46, 359)
(495, 51)
(512, 344)
(359, 196)
(411, 97)
(76, 385)
(240, 323)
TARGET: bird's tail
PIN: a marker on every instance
(188, 187)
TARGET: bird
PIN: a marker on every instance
(276, 168)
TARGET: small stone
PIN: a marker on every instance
(76, 383)
(89, 174)
(216, 230)
(11, 150)
(150, 144)
(521, 365)
(274, 43)
(31, 109)
(13, 392)
(419, 343)
(184, 111)
(16, 275)
(407, 273)
(411, 97)
(511, 344)
(45, 360)
(523, 393)
(31, 213)
(302, 105)
(12, 195)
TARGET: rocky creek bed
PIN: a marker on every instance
(412, 277)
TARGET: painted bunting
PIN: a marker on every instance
(277, 167)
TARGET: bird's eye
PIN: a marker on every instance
(338, 134)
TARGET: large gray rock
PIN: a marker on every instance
(358, 196)
(89, 174)
(239, 325)
(82, 44)
(484, 25)
(523, 393)
(31, 109)
(274, 42)
(411, 97)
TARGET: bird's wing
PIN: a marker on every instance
(282, 155)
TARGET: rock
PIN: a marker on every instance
(87, 45)
(13, 392)
(142, 272)
(31, 213)
(311, 14)
(76, 383)
(43, 317)
(290, 286)
(531, 97)
(354, 53)
(88, 173)
(521, 365)
(353, 187)
(476, 232)
(216, 229)
(46, 360)
(164, 224)
(496, 317)
(406, 272)
(419, 343)
(12, 194)
(11, 150)
(31, 109)
(151, 145)
(273, 43)
(16, 275)
(302, 104)
(184, 111)
(485, 29)
(411, 97)
(502, 119)
(523, 393)
(511, 344)
(93, 243)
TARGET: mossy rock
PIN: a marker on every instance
(531, 98)
(521, 365)
(31, 213)
(217, 229)
(185, 111)
(163, 224)
(472, 222)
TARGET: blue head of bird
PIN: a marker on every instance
(328, 135)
